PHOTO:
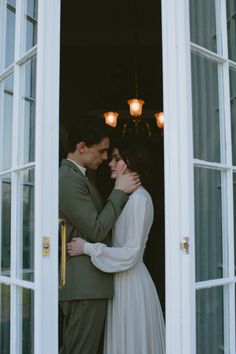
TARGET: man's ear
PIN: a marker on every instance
(80, 147)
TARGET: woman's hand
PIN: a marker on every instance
(76, 246)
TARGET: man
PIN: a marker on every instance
(83, 299)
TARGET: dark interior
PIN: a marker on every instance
(111, 51)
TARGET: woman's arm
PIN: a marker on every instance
(115, 259)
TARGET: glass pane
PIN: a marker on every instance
(234, 191)
(6, 123)
(210, 321)
(5, 197)
(231, 26)
(25, 247)
(5, 319)
(31, 14)
(206, 124)
(203, 23)
(12, 2)
(27, 135)
(208, 224)
(25, 300)
(10, 35)
(233, 112)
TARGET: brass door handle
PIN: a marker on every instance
(62, 228)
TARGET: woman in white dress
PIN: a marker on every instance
(134, 323)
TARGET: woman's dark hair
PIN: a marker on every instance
(136, 153)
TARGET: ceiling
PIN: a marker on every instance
(102, 42)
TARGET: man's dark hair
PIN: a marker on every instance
(91, 131)
(135, 151)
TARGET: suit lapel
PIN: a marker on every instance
(95, 195)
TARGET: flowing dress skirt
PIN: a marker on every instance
(135, 322)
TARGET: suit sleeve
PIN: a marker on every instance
(79, 209)
(137, 227)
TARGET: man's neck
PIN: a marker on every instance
(74, 157)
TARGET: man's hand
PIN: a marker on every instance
(129, 182)
(76, 246)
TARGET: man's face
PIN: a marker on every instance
(95, 154)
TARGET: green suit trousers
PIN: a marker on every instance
(83, 325)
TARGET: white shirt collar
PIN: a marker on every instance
(81, 168)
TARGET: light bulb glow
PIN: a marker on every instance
(160, 119)
(111, 118)
(135, 106)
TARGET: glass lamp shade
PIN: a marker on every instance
(135, 107)
(160, 119)
(111, 118)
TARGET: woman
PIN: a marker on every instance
(134, 322)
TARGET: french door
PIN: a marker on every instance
(29, 96)
(199, 63)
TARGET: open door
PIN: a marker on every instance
(199, 64)
(29, 96)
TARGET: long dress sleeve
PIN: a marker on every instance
(137, 218)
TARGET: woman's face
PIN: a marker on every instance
(116, 163)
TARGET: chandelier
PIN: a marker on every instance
(135, 124)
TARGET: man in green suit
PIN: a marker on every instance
(83, 299)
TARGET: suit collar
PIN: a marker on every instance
(72, 165)
(81, 168)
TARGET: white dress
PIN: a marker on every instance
(134, 322)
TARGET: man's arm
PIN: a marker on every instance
(79, 209)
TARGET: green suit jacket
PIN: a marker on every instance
(86, 215)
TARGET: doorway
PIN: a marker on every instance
(108, 55)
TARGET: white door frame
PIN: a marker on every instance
(179, 223)
(46, 176)
(179, 188)
(45, 284)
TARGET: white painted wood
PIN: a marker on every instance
(17, 282)
(18, 30)
(208, 54)
(14, 341)
(228, 217)
(212, 165)
(45, 287)
(232, 64)
(179, 162)
(180, 297)
(207, 284)
(2, 33)
(46, 177)
(7, 72)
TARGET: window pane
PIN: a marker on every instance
(233, 112)
(234, 191)
(208, 224)
(25, 319)
(210, 321)
(206, 124)
(12, 2)
(5, 197)
(25, 247)
(5, 319)
(27, 126)
(231, 26)
(31, 14)
(10, 35)
(203, 23)
(6, 123)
